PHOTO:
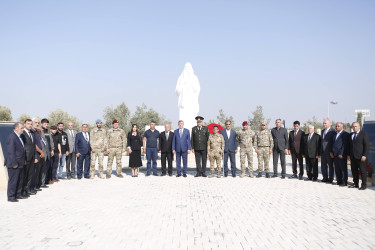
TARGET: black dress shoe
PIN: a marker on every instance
(204, 175)
(68, 177)
(73, 177)
(163, 174)
(225, 175)
(353, 186)
(155, 174)
(283, 177)
(342, 185)
(25, 194)
(148, 174)
(170, 174)
(21, 197)
(315, 179)
(300, 177)
(259, 175)
(12, 200)
(37, 189)
(31, 193)
(292, 177)
(197, 175)
(234, 175)
(324, 180)
(179, 175)
(362, 188)
(44, 186)
(185, 175)
(274, 176)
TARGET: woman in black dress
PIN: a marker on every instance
(134, 148)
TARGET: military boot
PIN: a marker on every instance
(211, 175)
(251, 175)
(101, 176)
(242, 174)
(92, 176)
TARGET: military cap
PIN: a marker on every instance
(199, 118)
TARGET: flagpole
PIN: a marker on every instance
(328, 109)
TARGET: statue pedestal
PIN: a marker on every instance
(3, 172)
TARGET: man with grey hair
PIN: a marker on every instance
(280, 148)
(325, 148)
(71, 158)
(339, 154)
(311, 152)
(15, 161)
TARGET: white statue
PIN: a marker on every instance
(187, 90)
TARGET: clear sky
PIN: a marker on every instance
(291, 57)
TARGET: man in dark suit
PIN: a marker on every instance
(199, 138)
(296, 149)
(359, 145)
(311, 147)
(165, 148)
(29, 169)
(230, 149)
(181, 147)
(339, 154)
(15, 160)
(325, 149)
(280, 147)
(83, 152)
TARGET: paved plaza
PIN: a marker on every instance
(190, 213)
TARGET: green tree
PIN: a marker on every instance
(257, 118)
(222, 117)
(60, 115)
(5, 114)
(143, 116)
(120, 113)
(359, 118)
(23, 117)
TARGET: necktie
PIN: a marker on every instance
(180, 132)
(295, 133)
(355, 136)
(325, 132)
(86, 137)
(309, 137)
(31, 137)
(166, 136)
(71, 131)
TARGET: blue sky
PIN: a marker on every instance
(291, 57)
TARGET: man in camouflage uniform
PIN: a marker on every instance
(263, 144)
(245, 137)
(116, 145)
(98, 141)
(215, 149)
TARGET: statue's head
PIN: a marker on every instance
(189, 68)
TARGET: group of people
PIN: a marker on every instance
(36, 154)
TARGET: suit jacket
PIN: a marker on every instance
(360, 146)
(341, 144)
(326, 142)
(49, 147)
(181, 144)
(81, 145)
(71, 140)
(296, 141)
(312, 147)
(280, 142)
(165, 146)
(29, 145)
(15, 154)
(231, 143)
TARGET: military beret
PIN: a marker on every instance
(264, 123)
(199, 118)
(245, 123)
(53, 127)
(114, 121)
(97, 121)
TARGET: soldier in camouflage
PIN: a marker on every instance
(245, 137)
(215, 149)
(98, 141)
(263, 144)
(116, 145)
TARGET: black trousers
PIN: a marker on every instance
(35, 180)
(55, 160)
(167, 156)
(327, 168)
(276, 154)
(71, 160)
(28, 174)
(14, 183)
(341, 169)
(312, 168)
(297, 157)
(356, 165)
(42, 173)
(201, 161)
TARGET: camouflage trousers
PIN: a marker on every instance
(263, 157)
(112, 153)
(97, 155)
(215, 157)
(246, 152)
